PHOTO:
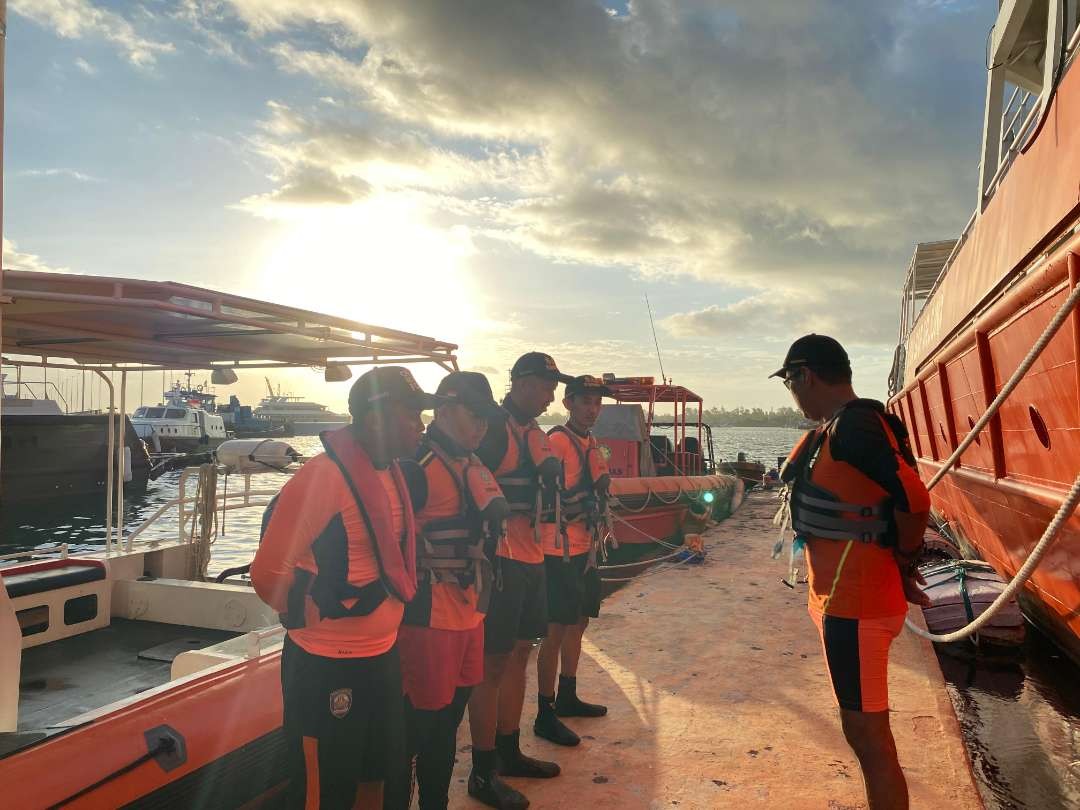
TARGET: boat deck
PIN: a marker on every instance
(718, 697)
(64, 679)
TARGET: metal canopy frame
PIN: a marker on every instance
(102, 322)
(677, 395)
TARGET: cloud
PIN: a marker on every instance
(71, 174)
(739, 143)
(79, 19)
(85, 67)
(16, 260)
(784, 314)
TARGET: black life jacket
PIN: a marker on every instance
(862, 512)
(581, 501)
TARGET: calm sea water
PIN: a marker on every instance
(1021, 720)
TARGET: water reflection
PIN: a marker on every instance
(1021, 722)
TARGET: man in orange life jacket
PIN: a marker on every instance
(337, 560)
(520, 456)
(858, 505)
(570, 558)
(460, 516)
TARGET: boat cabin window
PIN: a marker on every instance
(174, 413)
(1029, 48)
(150, 413)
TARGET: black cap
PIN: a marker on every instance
(471, 389)
(814, 351)
(586, 384)
(538, 364)
(386, 384)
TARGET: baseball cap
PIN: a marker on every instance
(586, 384)
(538, 364)
(386, 384)
(471, 389)
(814, 351)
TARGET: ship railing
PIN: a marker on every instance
(187, 501)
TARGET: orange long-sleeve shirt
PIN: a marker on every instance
(316, 518)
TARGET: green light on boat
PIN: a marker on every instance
(708, 497)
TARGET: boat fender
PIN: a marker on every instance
(256, 455)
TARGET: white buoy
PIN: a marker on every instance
(256, 455)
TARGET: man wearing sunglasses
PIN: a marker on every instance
(858, 505)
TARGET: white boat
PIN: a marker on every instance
(296, 415)
(186, 422)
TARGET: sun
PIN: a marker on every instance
(379, 261)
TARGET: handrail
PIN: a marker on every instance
(224, 502)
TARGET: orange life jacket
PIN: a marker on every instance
(335, 591)
(458, 548)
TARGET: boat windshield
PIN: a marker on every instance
(174, 413)
(150, 413)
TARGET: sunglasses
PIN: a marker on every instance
(790, 377)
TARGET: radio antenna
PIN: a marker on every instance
(656, 342)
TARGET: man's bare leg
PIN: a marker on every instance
(871, 739)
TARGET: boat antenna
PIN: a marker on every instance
(656, 342)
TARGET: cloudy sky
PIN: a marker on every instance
(509, 175)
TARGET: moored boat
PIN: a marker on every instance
(664, 477)
(974, 307)
(185, 422)
(128, 676)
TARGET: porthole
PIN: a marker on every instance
(1039, 426)
(971, 426)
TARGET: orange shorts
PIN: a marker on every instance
(434, 663)
(857, 658)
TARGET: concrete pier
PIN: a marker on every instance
(718, 697)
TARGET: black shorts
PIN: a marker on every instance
(572, 592)
(344, 720)
(518, 609)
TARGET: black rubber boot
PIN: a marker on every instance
(514, 763)
(550, 727)
(567, 703)
(494, 792)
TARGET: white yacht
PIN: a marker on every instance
(298, 416)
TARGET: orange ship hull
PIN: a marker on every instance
(1010, 275)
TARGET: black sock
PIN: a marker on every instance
(568, 685)
(508, 745)
(483, 762)
(545, 704)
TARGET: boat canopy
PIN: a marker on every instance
(102, 322)
(638, 392)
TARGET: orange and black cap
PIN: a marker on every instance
(814, 351)
(538, 364)
(471, 389)
(385, 384)
(586, 384)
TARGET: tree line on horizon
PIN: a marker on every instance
(719, 417)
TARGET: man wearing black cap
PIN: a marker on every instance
(570, 559)
(520, 456)
(460, 515)
(337, 560)
(859, 509)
